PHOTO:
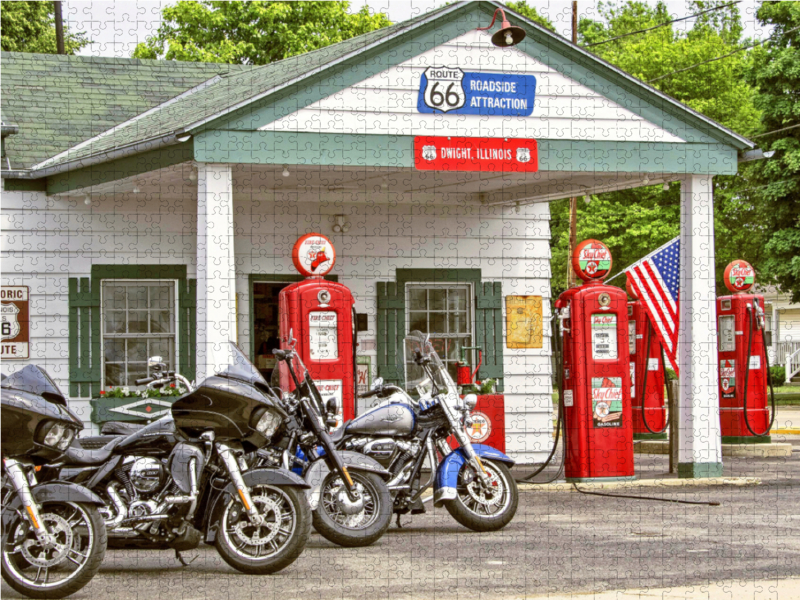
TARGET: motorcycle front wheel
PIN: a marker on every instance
(61, 564)
(276, 542)
(353, 524)
(482, 509)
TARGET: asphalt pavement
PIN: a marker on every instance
(559, 543)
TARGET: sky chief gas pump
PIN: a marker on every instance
(595, 374)
(743, 360)
(647, 373)
(319, 314)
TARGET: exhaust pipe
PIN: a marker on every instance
(119, 505)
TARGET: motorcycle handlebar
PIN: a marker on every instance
(280, 354)
(145, 380)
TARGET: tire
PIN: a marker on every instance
(330, 522)
(293, 507)
(88, 541)
(467, 511)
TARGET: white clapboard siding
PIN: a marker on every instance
(387, 102)
(48, 240)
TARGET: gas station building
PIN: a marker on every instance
(151, 207)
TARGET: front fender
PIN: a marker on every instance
(319, 470)
(447, 474)
(57, 491)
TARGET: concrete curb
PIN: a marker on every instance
(784, 432)
(773, 450)
(628, 485)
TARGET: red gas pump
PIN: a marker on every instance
(743, 360)
(596, 379)
(647, 373)
(319, 315)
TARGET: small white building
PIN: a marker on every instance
(150, 207)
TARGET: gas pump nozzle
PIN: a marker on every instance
(562, 314)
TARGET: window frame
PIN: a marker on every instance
(176, 309)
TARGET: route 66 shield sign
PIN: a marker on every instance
(443, 88)
(10, 324)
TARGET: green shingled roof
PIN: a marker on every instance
(235, 86)
(60, 101)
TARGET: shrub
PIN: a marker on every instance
(778, 375)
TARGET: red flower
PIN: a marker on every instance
(171, 385)
(102, 392)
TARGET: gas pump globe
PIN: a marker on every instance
(320, 315)
(595, 371)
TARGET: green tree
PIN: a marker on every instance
(636, 222)
(30, 27)
(531, 13)
(775, 182)
(253, 33)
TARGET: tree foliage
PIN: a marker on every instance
(254, 32)
(30, 27)
(775, 182)
(530, 12)
(636, 222)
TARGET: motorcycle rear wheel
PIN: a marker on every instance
(474, 510)
(363, 528)
(277, 542)
(74, 557)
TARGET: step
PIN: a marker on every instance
(773, 450)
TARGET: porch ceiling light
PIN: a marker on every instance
(285, 171)
(508, 34)
(183, 137)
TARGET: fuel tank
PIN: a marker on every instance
(388, 418)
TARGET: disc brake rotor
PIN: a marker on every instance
(53, 549)
(258, 535)
(490, 496)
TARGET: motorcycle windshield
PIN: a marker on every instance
(35, 380)
(238, 366)
(282, 378)
(419, 380)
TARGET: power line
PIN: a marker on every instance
(776, 131)
(619, 37)
(710, 60)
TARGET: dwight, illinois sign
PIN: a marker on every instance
(14, 323)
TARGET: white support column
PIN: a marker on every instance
(700, 452)
(216, 267)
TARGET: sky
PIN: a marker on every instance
(116, 27)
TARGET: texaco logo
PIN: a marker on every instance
(480, 429)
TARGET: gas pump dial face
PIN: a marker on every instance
(313, 255)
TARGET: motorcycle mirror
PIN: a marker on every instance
(291, 340)
(154, 361)
(332, 406)
(470, 401)
(377, 383)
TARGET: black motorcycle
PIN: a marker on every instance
(348, 496)
(408, 427)
(54, 539)
(182, 479)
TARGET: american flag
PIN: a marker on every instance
(656, 280)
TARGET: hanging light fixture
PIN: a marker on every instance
(508, 34)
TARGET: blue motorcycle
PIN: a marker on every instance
(406, 427)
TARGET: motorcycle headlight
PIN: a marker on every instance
(51, 434)
(66, 440)
(268, 423)
(470, 400)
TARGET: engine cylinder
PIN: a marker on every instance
(147, 475)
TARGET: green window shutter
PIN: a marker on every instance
(391, 331)
(489, 330)
(84, 337)
(187, 325)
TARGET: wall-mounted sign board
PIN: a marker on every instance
(449, 89)
(440, 153)
(15, 324)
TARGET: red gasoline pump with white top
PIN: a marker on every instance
(319, 314)
(647, 373)
(743, 360)
(595, 376)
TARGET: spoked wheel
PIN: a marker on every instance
(353, 523)
(64, 560)
(484, 508)
(261, 548)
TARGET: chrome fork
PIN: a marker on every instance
(228, 455)
(19, 479)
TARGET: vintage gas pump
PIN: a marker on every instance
(596, 372)
(319, 314)
(647, 373)
(743, 360)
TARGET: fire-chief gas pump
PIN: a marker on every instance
(319, 314)
(596, 372)
(743, 360)
(647, 373)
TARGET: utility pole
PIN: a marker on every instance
(573, 202)
(59, 28)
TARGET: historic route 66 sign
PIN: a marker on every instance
(10, 324)
(444, 90)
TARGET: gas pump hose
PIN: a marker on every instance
(750, 325)
(560, 423)
(643, 391)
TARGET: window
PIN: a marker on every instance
(138, 321)
(444, 312)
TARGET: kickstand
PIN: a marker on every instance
(399, 524)
(182, 560)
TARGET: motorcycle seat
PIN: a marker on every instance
(84, 457)
(119, 428)
(338, 434)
